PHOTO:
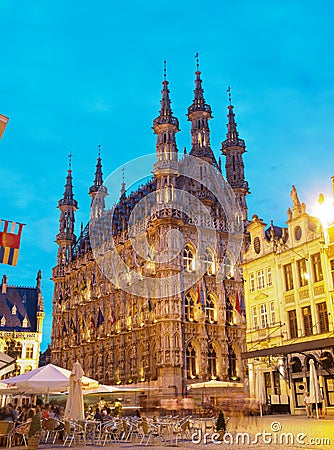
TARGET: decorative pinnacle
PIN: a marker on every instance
(70, 160)
(197, 61)
(165, 70)
(229, 95)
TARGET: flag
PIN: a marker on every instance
(100, 318)
(64, 328)
(149, 305)
(10, 242)
(237, 303)
(112, 317)
(3, 123)
(92, 321)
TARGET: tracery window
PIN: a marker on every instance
(189, 259)
(209, 262)
(191, 361)
(189, 308)
(212, 362)
(210, 307)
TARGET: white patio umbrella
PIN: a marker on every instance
(260, 390)
(46, 379)
(103, 389)
(315, 393)
(74, 406)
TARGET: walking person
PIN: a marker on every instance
(308, 405)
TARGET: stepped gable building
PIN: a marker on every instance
(289, 274)
(181, 336)
(21, 323)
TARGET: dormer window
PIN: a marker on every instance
(3, 321)
(25, 322)
(14, 310)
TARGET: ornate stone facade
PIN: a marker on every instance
(173, 336)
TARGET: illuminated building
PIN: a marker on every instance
(21, 323)
(184, 335)
(288, 275)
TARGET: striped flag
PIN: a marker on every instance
(3, 123)
(112, 317)
(10, 241)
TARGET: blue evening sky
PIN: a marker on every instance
(76, 74)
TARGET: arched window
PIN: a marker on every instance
(307, 362)
(326, 360)
(228, 266)
(189, 308)
(210, 307)
(296, 365)
(188, 259)
(191, 361)
(212, 362)
(209, 262)
(232, 363)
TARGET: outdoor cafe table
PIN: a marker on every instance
(92, 429)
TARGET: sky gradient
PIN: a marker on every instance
(78, 74)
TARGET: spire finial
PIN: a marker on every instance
(229, 95)
(123, 190)
(165, 70)
(70, 160)
(123, 172)
(197, 61)
(99, 151)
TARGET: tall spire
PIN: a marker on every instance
(233, 148)
(199, 114)
(165, 126)
(67, 205)
(97, 191)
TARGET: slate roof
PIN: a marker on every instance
(25, 301)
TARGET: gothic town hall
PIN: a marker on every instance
(172, 314)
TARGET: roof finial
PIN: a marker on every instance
(197, 61)
(229, 95)
(123, 190)
(165, 70)
(70, 160)
(99, 151)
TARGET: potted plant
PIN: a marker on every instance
(221, 424)
(34, 432)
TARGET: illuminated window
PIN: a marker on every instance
(332, 270)
(255, 318)
(251, 282)
(292, 318)
(272, 313)
(269, 277)
(210, 309)
(29, 351)
(188, 259)
(189, 308)
(263, 316)
(323, 317)
(287, 271)
(316, 267)
(302, 272)
(191, 361)
(209, 262)
(307, 317)
(260, 279)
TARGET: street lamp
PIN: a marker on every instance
(324, 211)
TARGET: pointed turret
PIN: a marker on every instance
(66, 237)
(165, 126)
(233, 148)
(97, 191)
(199, 114)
